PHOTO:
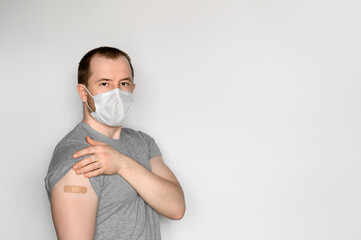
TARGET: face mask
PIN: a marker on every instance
(112, 107)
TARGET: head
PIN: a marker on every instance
(84, 70)
(104, 69)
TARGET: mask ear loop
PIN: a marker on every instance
(87, 101)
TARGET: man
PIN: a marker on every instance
(106, 181)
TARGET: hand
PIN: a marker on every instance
(104, 159)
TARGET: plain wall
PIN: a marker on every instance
(255, 106)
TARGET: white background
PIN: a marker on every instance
(255, 106)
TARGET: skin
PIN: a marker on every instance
(73, 211)
(158, 187)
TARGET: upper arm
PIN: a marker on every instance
(162, 170)
(74, 214)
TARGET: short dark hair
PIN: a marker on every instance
(107, 52)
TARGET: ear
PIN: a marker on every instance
(82, 92)
(133, 87)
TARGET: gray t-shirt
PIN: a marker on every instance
(122, 213)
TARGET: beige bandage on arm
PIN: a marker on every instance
(75, 189)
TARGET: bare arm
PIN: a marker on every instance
(74, 214)
(159, 188)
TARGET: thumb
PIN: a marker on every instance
(93, 142)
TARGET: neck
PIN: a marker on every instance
(111, 132)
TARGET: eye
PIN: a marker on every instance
(124, 84)
(104, 84)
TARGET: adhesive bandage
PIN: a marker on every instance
(74, 189)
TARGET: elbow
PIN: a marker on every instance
(179, 213)
(178, 216)
(176, 207)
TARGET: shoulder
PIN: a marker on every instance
(68, 145)
(75, 136)
(62, 159)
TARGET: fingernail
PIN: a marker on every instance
(75, 155)
(75, 166)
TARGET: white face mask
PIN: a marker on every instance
(112, 107)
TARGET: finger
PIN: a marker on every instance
(85, 151)
(88, 168)
(93, 142)
(84, 162)
(94, 173)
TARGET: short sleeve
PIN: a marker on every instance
(152, 145)
(61, 162)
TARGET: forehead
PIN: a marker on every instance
(102, 67)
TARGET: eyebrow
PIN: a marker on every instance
(103, 79)
(108, 80)
(126, 79)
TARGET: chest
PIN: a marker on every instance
(138, 151)
(116, 190)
